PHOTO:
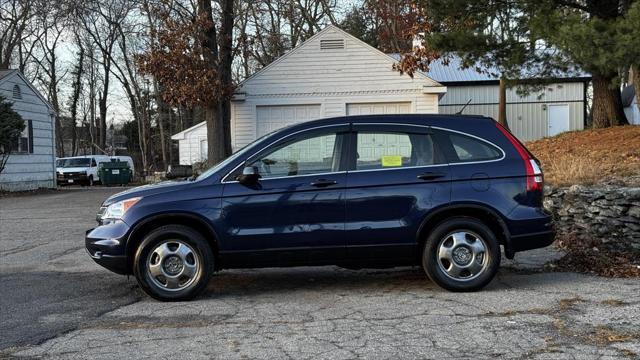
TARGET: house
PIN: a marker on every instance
(630, 105)
(336, 74)
(560, 105)
(31, 164)
(331, 74)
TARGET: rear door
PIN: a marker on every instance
(397, 175)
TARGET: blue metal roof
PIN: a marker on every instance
(452, 71)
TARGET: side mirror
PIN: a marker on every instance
(249, 175)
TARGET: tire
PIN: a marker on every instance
(90, 182)
(173, 263)
(456, 262)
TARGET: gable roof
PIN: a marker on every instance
(182, 134)
(328, 28)
(6, 75)
(452, 71)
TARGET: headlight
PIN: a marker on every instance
(117, 210)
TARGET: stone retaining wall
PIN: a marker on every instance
(609, 212)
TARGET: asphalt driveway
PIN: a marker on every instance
(56, 303)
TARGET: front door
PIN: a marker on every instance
(397, 176)
(295, 214)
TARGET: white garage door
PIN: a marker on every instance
(274, 117)
(379, 108)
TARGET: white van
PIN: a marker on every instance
(81, 170)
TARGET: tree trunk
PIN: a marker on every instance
(502, 103)
(215, 135)
(607, 103)
(224, 71)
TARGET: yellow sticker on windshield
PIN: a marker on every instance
(391, 160)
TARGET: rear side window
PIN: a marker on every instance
(467, 148)
(384, 150)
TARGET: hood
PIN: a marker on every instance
(72, 169)
(148, 190)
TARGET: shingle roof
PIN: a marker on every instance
(452, 71)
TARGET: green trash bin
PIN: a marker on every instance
(115, 173)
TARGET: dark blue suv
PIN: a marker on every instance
(442, 191)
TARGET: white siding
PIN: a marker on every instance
(527, 115)
(633, 112)
(329, 79)
(189, 148)
(30, 171)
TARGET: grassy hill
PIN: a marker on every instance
(589, 156)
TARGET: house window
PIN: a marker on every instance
(24, 144)
(17, 92)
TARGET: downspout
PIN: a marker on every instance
(53, 149)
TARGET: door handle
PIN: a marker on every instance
(323, 183)
(431, 175)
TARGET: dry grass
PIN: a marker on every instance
(605, 335)
(591, 255)
(589, 156)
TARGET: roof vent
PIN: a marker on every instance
(328, 44)
(17, 92)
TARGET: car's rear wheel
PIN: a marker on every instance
(461, 254)
(173, 263)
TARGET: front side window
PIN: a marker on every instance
(387, 150)
(467, 148)
(319, 153)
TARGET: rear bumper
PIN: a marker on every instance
(532, 241)
(107, 247)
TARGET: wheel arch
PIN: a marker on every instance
(485, 214)
(193, 221)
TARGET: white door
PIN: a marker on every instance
(379, 108)
(274, 117)
(558, 119)
(204, 150)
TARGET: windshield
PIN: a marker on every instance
(234, 156)
(78, 162)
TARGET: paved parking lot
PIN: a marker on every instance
(57, 303)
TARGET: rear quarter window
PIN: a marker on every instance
(464, 148)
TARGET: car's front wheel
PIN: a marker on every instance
(173, 263)
(461, 254)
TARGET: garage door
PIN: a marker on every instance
(274, 117)
(379, 108)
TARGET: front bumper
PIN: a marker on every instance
(71, 178)
(106, 244)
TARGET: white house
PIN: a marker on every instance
(561, 105)
(31, 164)
(331, 74)
(335, 74)
(630, 104)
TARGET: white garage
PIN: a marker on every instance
(331, 74)
(273, 117)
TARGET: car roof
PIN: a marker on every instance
(436, 120)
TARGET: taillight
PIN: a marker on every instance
(535, 178)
